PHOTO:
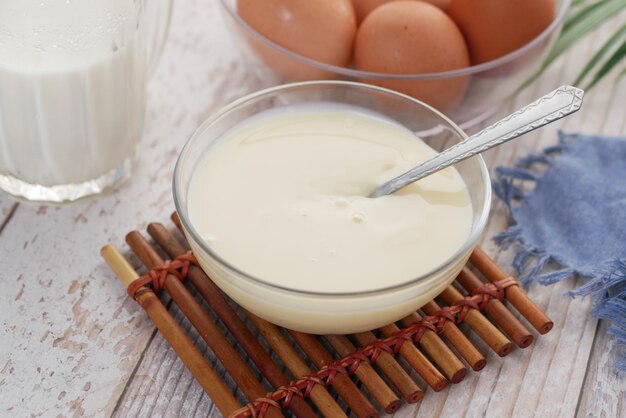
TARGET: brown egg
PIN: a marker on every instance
(494, 28)
(322, 29)
(364, 7)
(412, 37)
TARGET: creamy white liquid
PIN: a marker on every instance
(283, 198)
(72, 88)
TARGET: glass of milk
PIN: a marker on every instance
(73, 77)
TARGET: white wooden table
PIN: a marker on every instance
(73, 344)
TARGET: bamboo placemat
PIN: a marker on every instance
(332, 375)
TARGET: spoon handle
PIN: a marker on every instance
(549, 108)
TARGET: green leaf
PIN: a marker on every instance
(600, 54)
(603, 11)
(619, 54)
(575, 15)
(580, 25)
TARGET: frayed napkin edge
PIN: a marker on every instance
(606, 284)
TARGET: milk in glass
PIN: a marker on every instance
(72, 95)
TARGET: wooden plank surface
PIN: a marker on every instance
(604, 392)
(72, 344)
(69, 338)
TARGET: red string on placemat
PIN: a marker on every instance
(303, 386)
(178, 267)
(478, 300)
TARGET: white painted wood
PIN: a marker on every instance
(69, 337)
(604, 393)
(73, 344)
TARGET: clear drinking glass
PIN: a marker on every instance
(73, 78)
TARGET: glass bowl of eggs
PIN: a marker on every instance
(464, 58)
(273, 193)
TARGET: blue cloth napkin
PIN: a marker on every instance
(574, 215)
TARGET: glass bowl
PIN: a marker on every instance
(329, 312)
(490, 83)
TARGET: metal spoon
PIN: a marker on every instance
(551, 107)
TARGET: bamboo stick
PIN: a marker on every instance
(399, 377)
(176, 219)
(319, 395)
(173, 334)
(480, 325)
(368, 376)
(438, 351)
(514, 294)
(497, 311)
(414, 357)
(208, 330)
(459, 341)
(342, 384)
(219, 304)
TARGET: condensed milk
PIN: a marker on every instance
(283, 197)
